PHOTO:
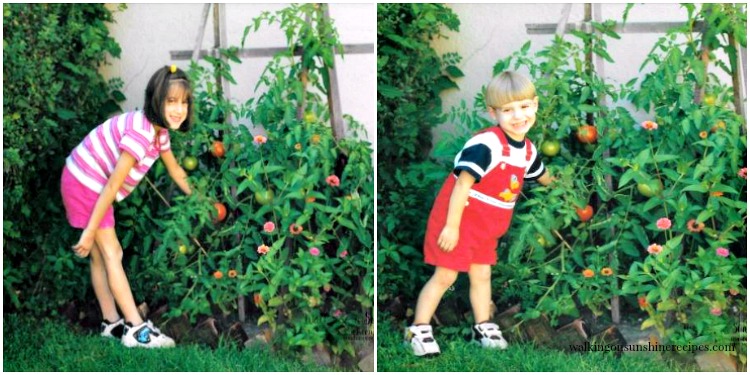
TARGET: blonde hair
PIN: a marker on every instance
(507, 87)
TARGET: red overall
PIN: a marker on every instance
(485, 219)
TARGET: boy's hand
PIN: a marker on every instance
(448, 239)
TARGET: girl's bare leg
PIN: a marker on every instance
(111, 251)
(101, 286)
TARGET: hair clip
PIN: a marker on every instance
(173, 68)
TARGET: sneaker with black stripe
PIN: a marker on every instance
(113, 330)
(145, 335)
(421, 340)
(489, 336)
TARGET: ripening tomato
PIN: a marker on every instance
(586, 134)
(221, 210)
(585, 213)
(217, 149)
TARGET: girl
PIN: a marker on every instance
(107, 166)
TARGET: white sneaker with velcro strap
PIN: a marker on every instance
(488, 334)
(422, 341)
(113, 330)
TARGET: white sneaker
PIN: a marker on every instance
(422, 341)
(113, 330)
(489, 335)
(145, 335)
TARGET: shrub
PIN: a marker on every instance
(410, 78)
(52, 96)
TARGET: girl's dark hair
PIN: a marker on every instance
(156, 92)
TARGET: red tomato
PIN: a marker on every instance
(217, 149)
(587, 134)
(585, 213)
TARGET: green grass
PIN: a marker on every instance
(30, 345)
(460, 356)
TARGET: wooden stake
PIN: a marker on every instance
(334, 101)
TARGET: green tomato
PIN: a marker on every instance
(190, 163)
(551, 148)
(264, 197)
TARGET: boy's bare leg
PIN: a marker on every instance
(111, 251)
(101, 286)
(480, 291)
(432, 293)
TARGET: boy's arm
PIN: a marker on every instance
(546, 179)
(448, 238)
(175, 171)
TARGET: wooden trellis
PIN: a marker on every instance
(221, 42)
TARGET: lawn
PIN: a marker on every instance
(47, 345)
(460, 356)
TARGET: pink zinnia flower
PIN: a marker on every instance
(654, 249)
(262, 249)
(742, 173)
(715, 311)
(269, 227)
(664, 223)
(344, 254)
(314, 251)
(722, 252)
(333, 180)
(260, 139)
(649, 125)
(338, 313)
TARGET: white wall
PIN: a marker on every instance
(490, 32)
(148, 32)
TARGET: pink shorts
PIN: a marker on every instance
(79, 202)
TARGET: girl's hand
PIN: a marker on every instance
(448, 239)
(85, 244)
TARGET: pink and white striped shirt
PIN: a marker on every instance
(94, 159)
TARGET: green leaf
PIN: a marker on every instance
(275, 301)
(65, 114)
(389, 91)
(696, 187)
(454, 71)
(588, 108)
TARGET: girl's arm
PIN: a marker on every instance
(448, 238)
(175, 171)
(124, 164)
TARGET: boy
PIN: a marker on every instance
(475, 206)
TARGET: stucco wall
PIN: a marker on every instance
(490, 32)
(148, 32)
